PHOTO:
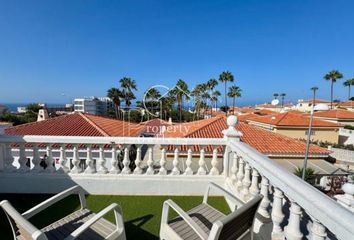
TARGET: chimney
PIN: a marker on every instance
(170, 120)
(42, 115)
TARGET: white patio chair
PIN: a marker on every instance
(206, 222)
(81, 224)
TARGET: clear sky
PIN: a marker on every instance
(82, 48)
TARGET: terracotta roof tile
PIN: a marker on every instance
(317, 100)
(264, 141)
(77, 124)
(292, 120)
(336, 113)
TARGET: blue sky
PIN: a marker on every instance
(82, 48)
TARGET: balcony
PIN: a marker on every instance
(291, 208)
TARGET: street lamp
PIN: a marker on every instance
(318, 107)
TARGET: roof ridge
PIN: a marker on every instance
(92, 123)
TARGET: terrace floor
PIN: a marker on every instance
(141, 213)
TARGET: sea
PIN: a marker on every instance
(13, 106)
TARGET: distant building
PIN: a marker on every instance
(349, 105)
(3, 109)
(342, 116)
(296, 126)
(306, 105)
(3, 126)
(93, 105)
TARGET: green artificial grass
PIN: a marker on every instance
(141, 214)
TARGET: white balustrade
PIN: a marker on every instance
(201, 163)
(246, 183)
(175, 162)
(63, 160)
(126, 162)
(36, 160)
(22, 160)
(163, 170)
(234, 168)
(8, 158)
(263, 208)
(114, 160)
(150, 162)
(89, 161)
(49, 160)
(277, 214)
(76, 160)
(214, 162)
(189, 170)
(318, 231)
(292, 230)
(138, 169)
(254, 189)
(240, 173)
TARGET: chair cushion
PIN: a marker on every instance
(63, 227)
(204, 215)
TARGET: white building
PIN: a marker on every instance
(306, 105)
(93, 105)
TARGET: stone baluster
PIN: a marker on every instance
(246, 183)
(318, 231)
(214, 162)
(240, 173)
(49, 160)
(201, 163)
(22, 159)
(114, 160)
(254, 189)
(76, 160)
(62, 160)
(150, 162)
(163, 170)
(292, 230)
(36, 160)
(175, 162)
(101, 162)
(277, 214)
(126, 161)
(189, 170)
(9, 159)
(263, 208)
(90, 169)
(234, 168)
(138, 169)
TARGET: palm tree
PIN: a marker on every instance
(115, 94)
(225, 77)
(333, 76)
(181, 91)
(309, 173)
(151, 95)
(275, 95)
(128, 85)
(282, 95)
(212, 83)
(214, 98)
(234, 92)
(348, 84)
(314, 89)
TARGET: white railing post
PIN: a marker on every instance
(230, 134)
(246, 182)
(240, 174)
(102, 169)
(8, 159)
(36, 160)
(49, 160)
(114, 160)
(263, 208)
(150, 162)
(163, 170)
(175, 162)
(138, 169)
(126, 161)
(89, 161)
(254, 189)
(76, 160)
(214, 162)
(22, 159)
(201, 163)
(292, 230)
(63, 160)
(318, 231)
(189, 170)
(277, 214)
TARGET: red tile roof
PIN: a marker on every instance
(292, 120)
(335, 113)
(264, 141)
(317, 100)
(346, 104)
(78, 124)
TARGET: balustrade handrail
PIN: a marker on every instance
(110, 140)
(336, 218)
